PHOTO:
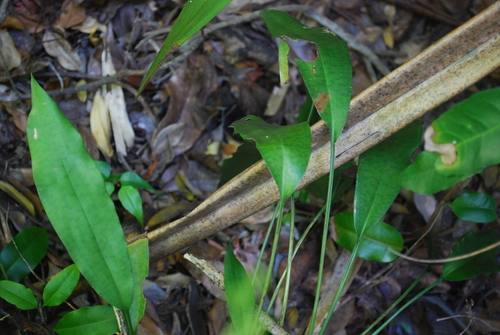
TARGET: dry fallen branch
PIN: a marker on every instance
(448, 67)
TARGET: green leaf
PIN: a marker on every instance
(132, 201)
(139, 256)
(104, 168)
(110, 187)
(422, 177)
(60, 287)
(285, 149)
(329, 77)
(133, 179)
(375, 242)
(239, 293)
(95, 320)
(18, 295)
(72, 192)
(246, 155)
(482, 264)
(194, 15)
(475, 207)
(377, 183)
(473, 126)
(32, 244)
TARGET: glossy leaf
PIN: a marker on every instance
(285, 149)
(482, 264)
(60, 287)
(421, 177)
(133, 179)
(377, 183)
(475, 207)
(328, 78)
(194, 15)
(139, 256)
(18, 295)
(132, 201)
(72, 192)
(110, 187)
(375, 242)
(473, 126)
(95, 320)
(32, 244)
(104, 168)
(239, 293)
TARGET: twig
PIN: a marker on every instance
(218, 278)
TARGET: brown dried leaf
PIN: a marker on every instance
(11, 57)
(100, 124)
(71, 16)
(58, 47)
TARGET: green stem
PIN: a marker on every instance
(326, 224)
(264, 245)
(289, 262)
(406, 305)
(381, 317)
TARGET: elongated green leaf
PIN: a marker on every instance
(194, 15)
(60, 287)
(132, 179)
(473, 126)
(72, 192)
(139, 256)
(377, 183)
(329, 77)
(285, 149)
(475, 207)
(32, 244)
(422, 177)
(239, 293)
(132, 201)
(375, 242)
(95, 320)
(482, 264)
(18, 295)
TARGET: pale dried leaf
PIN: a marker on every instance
(11, 56)
(71, 15)
(123, 132)
(275, 100)
(100, 124)
(58, 47)
(446, 150)
(167, 139)
(82, 95)
(90, 25)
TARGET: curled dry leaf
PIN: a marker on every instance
(123, 132)
(11, 57)
(100, 124)
(58, 47)
(446, 150)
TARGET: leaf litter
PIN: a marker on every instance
(178, 148)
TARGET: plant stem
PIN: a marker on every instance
(289, 262)
(264, 244)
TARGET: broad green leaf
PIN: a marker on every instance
(246, 155)
(422, 177)
(95, 320)
(104, 168)
(110, 187)
(72, 192)
(133, 179)
(285, 149)
(239, 293)
(377, 183)
(32, 244)
(132, 201)
(475, 207)
(60, 287)
(139, 256)
(473, 126)
(375, 242)
(194, 15)
(482, 264)
(329, 77)
(308, 112)
(18, 295)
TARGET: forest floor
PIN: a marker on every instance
(182, 136)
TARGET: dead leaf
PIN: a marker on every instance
(71, 16)
(11, 57)
(100, 124)
(58, 47)
(446, 150)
